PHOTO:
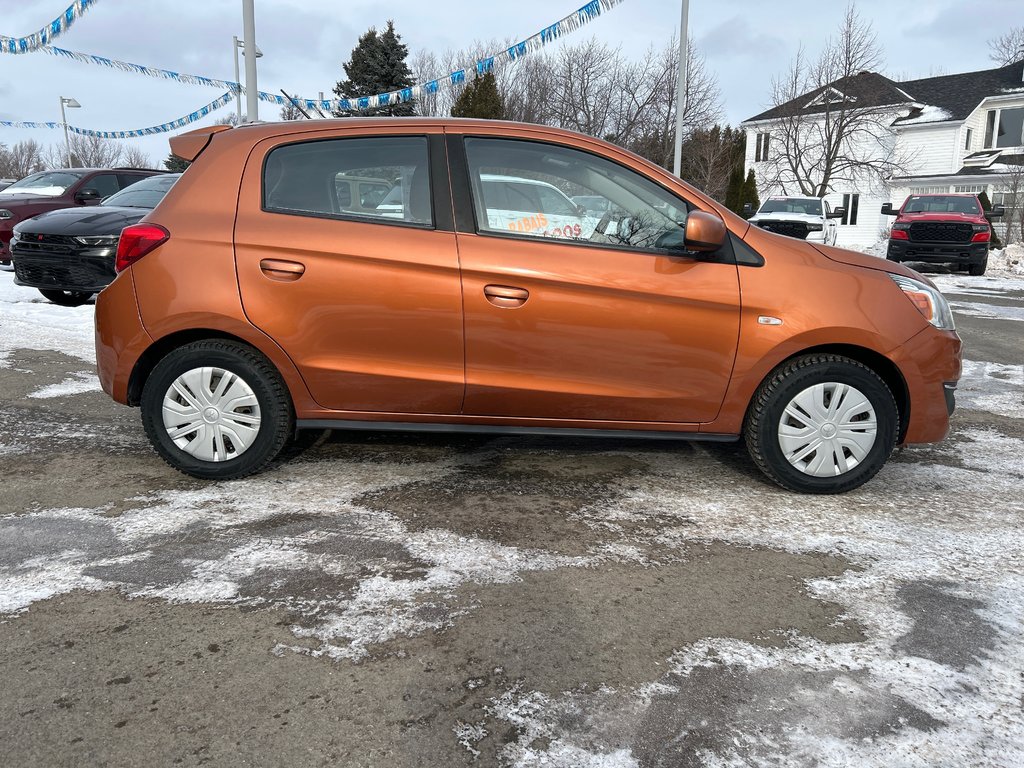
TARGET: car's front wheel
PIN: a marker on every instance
(66, 298)
(217, 409)
(978, 269)
(822, 424)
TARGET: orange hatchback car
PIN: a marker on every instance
(436, 275)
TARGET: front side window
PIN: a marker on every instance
(527, 188)
(104, 183)
(386, 178)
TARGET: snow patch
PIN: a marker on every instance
(992, 387)
(31, 322)
(78, 383)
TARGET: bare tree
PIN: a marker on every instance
(86, 152)
(134, 157)
(291, 112)
(1012, 199)
(1007, 48)
(20, 160)
(824, 135)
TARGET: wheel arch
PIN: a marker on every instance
(166, 344)
(885, 368)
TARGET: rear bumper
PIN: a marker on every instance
(944, 253)
(120, 337)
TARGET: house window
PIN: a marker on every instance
(969, 189)
(761, 150)
(967, 141)
(931, 190)
(850, 204)
(1004, 128)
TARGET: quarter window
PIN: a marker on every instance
(526, 188)
(383, 178)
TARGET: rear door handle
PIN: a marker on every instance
(505, 296)
(279, 269)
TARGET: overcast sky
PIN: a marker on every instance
(305, 42)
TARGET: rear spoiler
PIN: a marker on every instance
(189, 146)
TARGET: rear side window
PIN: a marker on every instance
(351, 178)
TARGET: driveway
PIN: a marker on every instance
(405, 600)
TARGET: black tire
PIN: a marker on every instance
(276, 414)
(66, 298)
(761, 428)
(977, 270)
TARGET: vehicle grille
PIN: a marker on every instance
(68, 275)
(941, 232)
(58, 245)
(795, 229)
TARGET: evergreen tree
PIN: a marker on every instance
(748, 193)
(377, 65)
(176, 164)
(480, 99)
(986, 206)
(734, 190)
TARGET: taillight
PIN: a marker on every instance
(136, 241)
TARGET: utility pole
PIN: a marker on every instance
(684, 45)
(249, 36)
(235, 45)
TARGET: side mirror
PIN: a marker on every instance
(87, 195)
(837, 213)
(748, 209)
(705, 232)
(997, 212)
(888, 211)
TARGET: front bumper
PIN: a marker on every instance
(89, 270)
(930, 363)
(937, 253)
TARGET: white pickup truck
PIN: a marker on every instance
(805, 218)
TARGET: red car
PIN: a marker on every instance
(943, 229)
(53, 190)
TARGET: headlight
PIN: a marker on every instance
(815, 227)
(5, 214)
(929, 302)
(98, 239)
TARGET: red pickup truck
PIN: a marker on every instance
(53, 190)
(944, 229)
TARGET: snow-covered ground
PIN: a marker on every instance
(935, 583)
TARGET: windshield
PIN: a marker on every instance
(941, 204)
(47, 184)
(792, 205)
(143, 194)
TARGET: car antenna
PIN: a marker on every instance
(295, 103)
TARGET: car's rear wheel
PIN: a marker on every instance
(66, 298)
(822, 424)
(217, 409)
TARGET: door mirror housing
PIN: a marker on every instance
(888, 211)
(87, 195)
(705, 232)
(997, 212)
(748, 209)
(837, 213)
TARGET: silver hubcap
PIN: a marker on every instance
(211, 414)
(827, 429)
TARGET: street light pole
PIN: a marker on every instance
(249, 35)
(66, 101)
(684, 45)
(235, 45)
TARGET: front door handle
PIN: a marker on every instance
(279, 269)
(505, 296)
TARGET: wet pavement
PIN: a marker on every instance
(408, 600)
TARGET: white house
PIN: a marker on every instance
(953, 133)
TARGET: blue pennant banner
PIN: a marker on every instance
(549, 34)
(52, 31)
(181, 122)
